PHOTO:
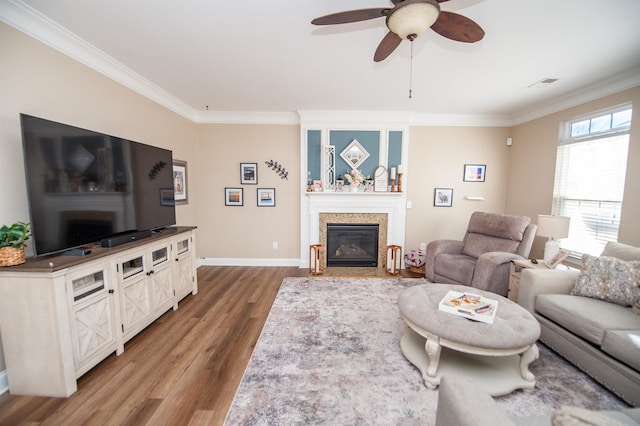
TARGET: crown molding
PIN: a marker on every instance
(460, 120)
(614, 84)
(31, 22)
(354, 119)
(246, 117)
(38, 26)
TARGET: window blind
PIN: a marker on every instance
(589, 181)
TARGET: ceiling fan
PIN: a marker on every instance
(407, 19)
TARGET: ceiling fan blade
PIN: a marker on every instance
(387, 46)
(457, 27)
(351, 16)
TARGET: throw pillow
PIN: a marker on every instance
(575, 416)
(610, 279)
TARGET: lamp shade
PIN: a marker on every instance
(413, 17)
(553, 226)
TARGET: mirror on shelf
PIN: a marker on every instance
(354, 154)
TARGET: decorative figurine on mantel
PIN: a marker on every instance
(309, 182)
(393, 179)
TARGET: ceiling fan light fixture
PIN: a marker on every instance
(410, 18)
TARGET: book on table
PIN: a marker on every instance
(469, 305)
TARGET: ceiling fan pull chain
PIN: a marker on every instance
(411, 70)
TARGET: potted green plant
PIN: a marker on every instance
(12, 240)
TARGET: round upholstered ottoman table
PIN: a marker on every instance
(496, 356)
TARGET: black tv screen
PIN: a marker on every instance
(84, 186)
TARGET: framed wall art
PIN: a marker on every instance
(266, 197)
(167, 197)
(380, 182)
(474, 172)
(557, 259)
(180, 182)
(249, 173)
(443, 197)
(233, 197)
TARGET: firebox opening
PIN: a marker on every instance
(352, 244)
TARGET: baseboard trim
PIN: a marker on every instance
(209, 261)
(4, 382)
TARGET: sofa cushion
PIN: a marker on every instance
(621, 251)
(609, 278)
(586, 317)
(498, 225)
(624, 345)
(477, 244)
(456, 267)
(578, 416)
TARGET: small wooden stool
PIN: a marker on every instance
(316, 259)
(394, 259)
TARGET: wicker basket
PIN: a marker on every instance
(417, 270)
(10, 256)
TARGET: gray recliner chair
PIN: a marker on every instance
(482, 259)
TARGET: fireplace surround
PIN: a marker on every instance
(387, 209)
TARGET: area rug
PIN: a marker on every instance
(329, 353)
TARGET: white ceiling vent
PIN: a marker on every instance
(542, 83)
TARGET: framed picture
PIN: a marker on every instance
(557, 259)
(474, 172)
(233, 197)
(167, 197)
(266, 197)
(317, 186)
(180, 182)
(443, 197)
(249, 173)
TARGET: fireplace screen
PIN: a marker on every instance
(353, 244)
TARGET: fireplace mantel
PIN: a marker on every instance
(354, 194)
(393, 204)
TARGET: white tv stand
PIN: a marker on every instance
(60, 316)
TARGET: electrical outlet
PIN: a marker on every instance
(275, 245)
(423, 246)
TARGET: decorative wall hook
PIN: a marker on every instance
(278, 168)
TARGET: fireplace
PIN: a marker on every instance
(386, 209)
(352, 244)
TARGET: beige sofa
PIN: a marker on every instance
(461, 402)
(599, 337)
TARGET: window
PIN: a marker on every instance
(591, 165)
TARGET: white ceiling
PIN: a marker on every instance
(264, 56)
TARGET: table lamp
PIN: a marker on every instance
(552, 227)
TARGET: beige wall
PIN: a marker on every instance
(437, 156)
(37, 80)
(532, 166)
(40, 81)
(248, 232)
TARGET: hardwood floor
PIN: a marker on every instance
(183, 369)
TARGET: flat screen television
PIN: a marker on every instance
(84, 186)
